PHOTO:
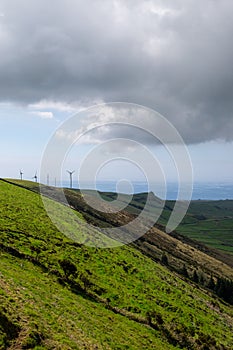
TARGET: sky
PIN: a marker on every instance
(174, 57)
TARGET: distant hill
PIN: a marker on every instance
(160, 292)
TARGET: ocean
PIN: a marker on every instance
(201, 190)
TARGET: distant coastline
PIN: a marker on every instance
(201, 190)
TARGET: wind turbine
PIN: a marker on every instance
(21, 174)
(35, 176)
(71, 173)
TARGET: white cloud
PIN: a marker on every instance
(158, 9)
(118, 121)
(60, 106)
(44, 115)
(49, 104)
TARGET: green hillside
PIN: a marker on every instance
(213, 227)
(209, 222)
(59, 294)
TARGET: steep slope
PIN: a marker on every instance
(60, 294)
(38, 312)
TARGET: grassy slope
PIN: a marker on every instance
(213, 227)
(54, 317)
(113, 290)
(180, 250)
(209, 222)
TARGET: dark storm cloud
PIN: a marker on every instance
(173, 56)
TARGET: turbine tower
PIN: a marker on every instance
(35, 176)
(71, 173)
(21, 174)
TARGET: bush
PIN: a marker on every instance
(224, 289)
(195, 277)
(164, 259)
(184, 272)
(68, 267)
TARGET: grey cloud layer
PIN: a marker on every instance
(173, 56)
